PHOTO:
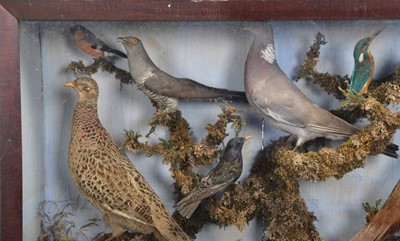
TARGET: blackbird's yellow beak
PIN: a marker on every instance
(70, 85)
(247, 137)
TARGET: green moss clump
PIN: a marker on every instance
(236, 207)
(217, 133)
(308, 67)
(371, 210)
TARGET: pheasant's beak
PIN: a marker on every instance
(70, 85)
(247, 137)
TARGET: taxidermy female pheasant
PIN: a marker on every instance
(108, 179)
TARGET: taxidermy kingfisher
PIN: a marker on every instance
(363, 65)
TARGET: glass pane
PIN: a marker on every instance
(214, 54)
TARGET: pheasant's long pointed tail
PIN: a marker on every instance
(171, 231)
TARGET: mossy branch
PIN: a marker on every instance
(217, 133)
(268, 194)
(180, 150)
(183, 153)
(328, 162)
(308, 67)
(328, 82)
(103, 64)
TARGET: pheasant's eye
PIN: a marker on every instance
(86, 87)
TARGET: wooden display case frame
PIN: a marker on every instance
(13, 11)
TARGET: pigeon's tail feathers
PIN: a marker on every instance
(391, 150)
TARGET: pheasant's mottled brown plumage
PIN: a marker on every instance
(108, 179)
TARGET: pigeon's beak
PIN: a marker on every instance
(70, 85)
(247, 138)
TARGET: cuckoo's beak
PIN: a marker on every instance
(122, 40)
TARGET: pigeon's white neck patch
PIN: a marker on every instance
(268, 53)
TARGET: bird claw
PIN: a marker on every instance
(345, 91)
(159, 118)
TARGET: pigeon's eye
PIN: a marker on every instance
(134, 41)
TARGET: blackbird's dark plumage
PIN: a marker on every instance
(107, 178)
(227, 171)
(165, 89)
(90, 44)
(271, 93)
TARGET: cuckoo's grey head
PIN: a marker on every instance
(131, 43)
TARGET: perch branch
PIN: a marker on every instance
(103, 64)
